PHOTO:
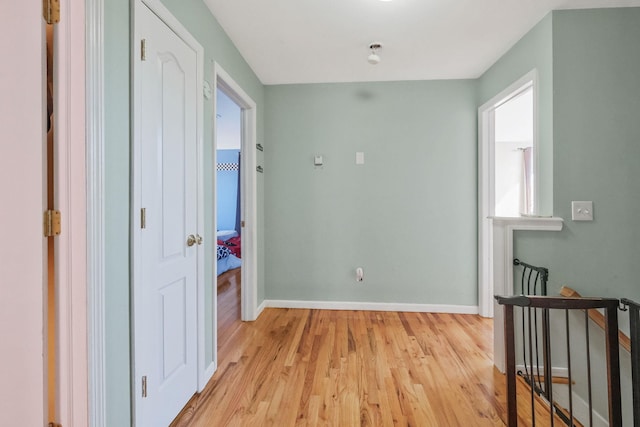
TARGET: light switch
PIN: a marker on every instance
(359, 157)
(582, 211)
(317, 160)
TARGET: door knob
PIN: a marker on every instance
(191, 240)
(199, 239)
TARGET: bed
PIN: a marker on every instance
(229, 252)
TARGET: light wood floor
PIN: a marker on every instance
(350, 368)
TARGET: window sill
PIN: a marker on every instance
(541, 223)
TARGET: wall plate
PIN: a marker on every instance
(582, 211)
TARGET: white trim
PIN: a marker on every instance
(372, 306)
(503, 229)
(71, 266)
(555, 370)
(176, 26)
(502, 238)
(249, 279)
(261, 308)
(94, 51)
(486, 172)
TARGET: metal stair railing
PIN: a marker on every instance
(544, 304)
(533, 281)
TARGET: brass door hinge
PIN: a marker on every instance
(51, 11)
(52, 223)
(144, 386)
(55, 425)
(143, 49)
(143, 218)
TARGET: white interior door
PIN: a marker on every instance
(22, 189)
(166, 308)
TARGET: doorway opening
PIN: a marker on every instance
(514, 187)
(229, 214)
(507, 171)
(235, 119)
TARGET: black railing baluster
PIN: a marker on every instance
(613, 365)
(546, 350)
(588, 345)
(510, 357)
(547, 364)
(566, 320)
(634, 332)
(533, 383)
(539, 378)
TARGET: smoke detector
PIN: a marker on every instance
(374, 58)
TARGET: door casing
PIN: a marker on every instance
(488, 243)
(248, 191)
(486, 185)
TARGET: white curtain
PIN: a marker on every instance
(526, 182)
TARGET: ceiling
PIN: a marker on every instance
(314, 41)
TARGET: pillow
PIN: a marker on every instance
(223, 252)
(225, 235)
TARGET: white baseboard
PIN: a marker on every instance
(260, 308)
(561, 397)
(206, 376)
(371, 306)
(555, 370)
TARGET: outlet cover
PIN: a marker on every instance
(582, 211)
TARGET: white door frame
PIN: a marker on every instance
(71, 266)
(495, 235)
(486, 173)
(95, 213)
(176, 26)
(248, 190)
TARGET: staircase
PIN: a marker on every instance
(542, 332)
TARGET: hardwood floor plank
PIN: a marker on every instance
(350, 368)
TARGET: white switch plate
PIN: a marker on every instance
(317, 160)
(582, 211)
(359, 157)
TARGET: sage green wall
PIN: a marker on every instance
(194, 15)
(532, 51)
(116, 134)
(407, 216)
(596, 151)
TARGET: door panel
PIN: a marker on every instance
(173, 170)
(174, 312)
(22, 188)
(167, 303)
